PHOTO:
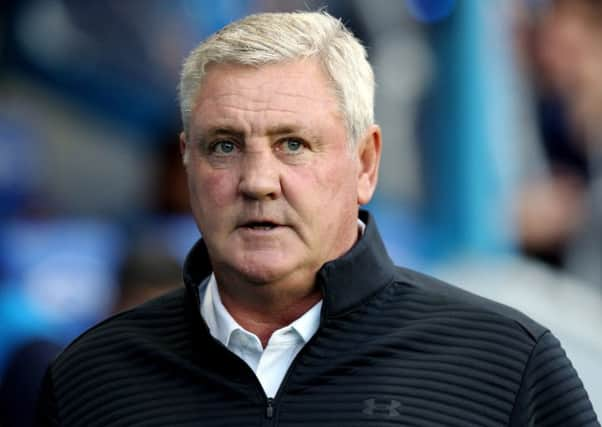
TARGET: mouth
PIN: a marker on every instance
(260, 225)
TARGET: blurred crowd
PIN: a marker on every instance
(561, 210)
(491, 176)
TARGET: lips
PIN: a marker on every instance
(260, 225)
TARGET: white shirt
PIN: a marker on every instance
(269, 364)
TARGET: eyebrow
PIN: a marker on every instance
(272, 131)
(283, 129)
(222, 130)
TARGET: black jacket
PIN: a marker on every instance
(394, 348)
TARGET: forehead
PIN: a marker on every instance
(296, 91)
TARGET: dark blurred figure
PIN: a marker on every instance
(171, 182)
(559, 214)
(21, 383)
(147, 271)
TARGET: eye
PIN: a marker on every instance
(223, 147)
(291, 145)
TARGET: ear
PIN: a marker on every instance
(368, 155)
(183, 146)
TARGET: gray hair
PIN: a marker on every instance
(268, 38)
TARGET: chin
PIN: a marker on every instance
(263, 269)
(260, 274)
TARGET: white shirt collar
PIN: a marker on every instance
(222, 325)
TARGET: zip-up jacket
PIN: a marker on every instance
(394, 348)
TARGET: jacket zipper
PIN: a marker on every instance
(269, 410)
(272, 401)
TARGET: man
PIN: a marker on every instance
(293, 313)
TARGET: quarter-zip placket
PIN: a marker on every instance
(272, 402)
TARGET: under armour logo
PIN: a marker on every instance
(383, 407)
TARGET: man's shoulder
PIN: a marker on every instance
(155, 323)
(144, 317)
(440, 293)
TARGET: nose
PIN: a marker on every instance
(259, 176)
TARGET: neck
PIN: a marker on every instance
(266, 310)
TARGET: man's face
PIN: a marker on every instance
(273, 183)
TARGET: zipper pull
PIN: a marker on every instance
(269, 410)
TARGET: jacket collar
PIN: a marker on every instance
(345, 281)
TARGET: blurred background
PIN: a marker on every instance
(491, 176)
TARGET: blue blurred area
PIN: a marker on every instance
(465, 138)
(430, 10)
(19, 165)
(57, 278)
(118, 58)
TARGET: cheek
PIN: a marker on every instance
(340, 180)
(212, 189)
(321, 188)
